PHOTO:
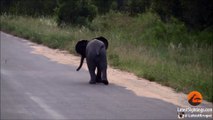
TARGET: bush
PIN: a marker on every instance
(75, 12)
(28, 7)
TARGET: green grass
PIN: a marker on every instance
(163, 52)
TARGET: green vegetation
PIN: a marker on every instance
(167, 53)
(196, 14)
(75, 12)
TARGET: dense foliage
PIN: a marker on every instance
(75, 12)
(196, 14)
(28, 7)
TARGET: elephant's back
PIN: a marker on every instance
(94, 47)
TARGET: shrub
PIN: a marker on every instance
(75, 12)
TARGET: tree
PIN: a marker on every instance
(28, 7)
(197, 13)
(75, 12)
(103, 6)
(139, 6)
(166, 8)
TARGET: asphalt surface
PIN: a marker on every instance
(34, 87)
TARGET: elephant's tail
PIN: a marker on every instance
(98, 51)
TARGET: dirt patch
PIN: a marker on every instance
(139, 86)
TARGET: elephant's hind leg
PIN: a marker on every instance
(103, 67)
(98, 76)
(91, 67)
(104, 77)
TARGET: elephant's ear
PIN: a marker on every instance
(80, 47)
(104, 40)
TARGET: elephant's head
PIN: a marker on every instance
(80, 48)
(104, 40)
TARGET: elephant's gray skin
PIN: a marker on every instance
(95, 53)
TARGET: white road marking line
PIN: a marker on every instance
(47, 108)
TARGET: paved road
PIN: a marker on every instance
(33, 87)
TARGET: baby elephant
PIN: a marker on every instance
(95, 53)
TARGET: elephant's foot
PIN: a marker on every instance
(98, 80)
(105, 82)
(92, 82)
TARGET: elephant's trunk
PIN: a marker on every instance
(81, 63)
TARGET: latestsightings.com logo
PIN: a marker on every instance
(194, 99)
